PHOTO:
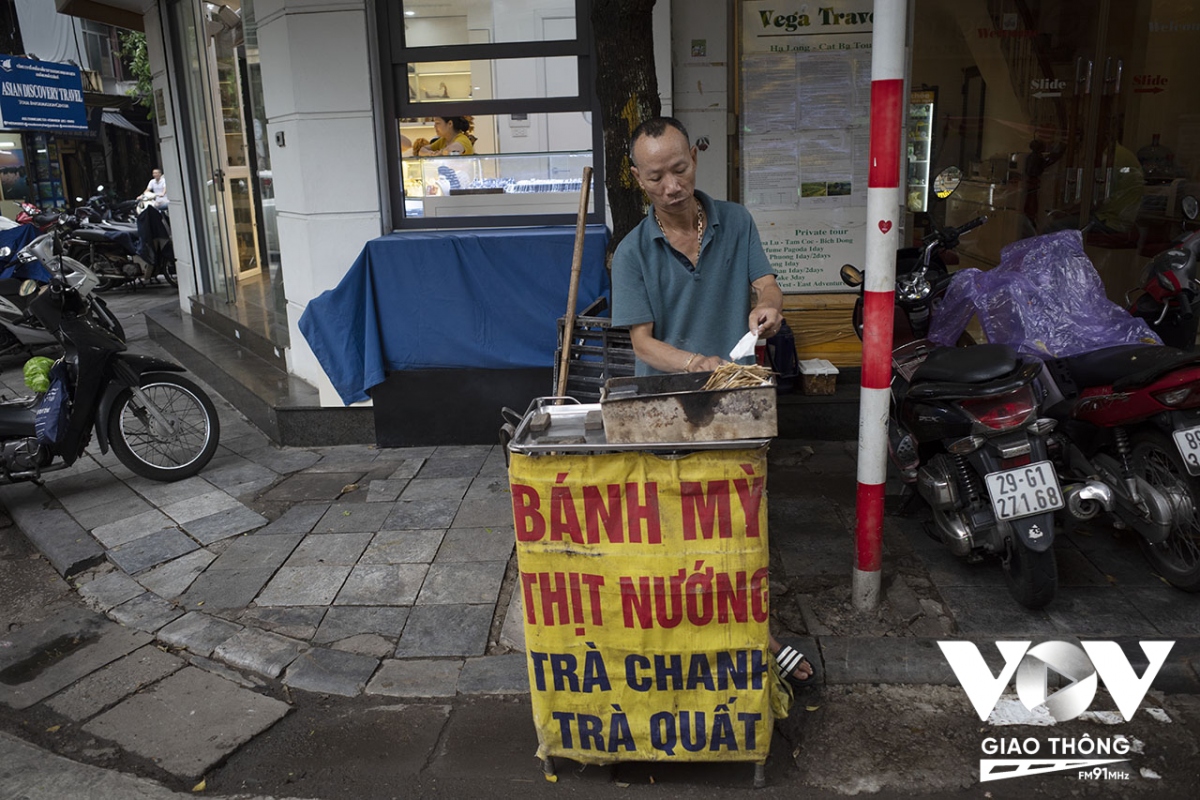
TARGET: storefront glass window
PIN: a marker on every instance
(432, 23)
(1063, 114)
(514, 77)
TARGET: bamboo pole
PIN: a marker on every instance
(573, 294)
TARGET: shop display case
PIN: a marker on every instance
(920, 121)
(499, 184)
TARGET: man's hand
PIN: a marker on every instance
(767, 316)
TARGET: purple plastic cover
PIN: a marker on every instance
(1044, 299)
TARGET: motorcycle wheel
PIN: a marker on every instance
(169, 273)
(1156, 459)
(141, 443)
(1032, 577)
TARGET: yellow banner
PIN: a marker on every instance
(644, 586)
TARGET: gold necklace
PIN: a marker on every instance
(699, 229)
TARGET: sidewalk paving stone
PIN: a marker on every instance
(226, 588)
(471, 582)
(479, 451)
(330, 549)
(1098, 612)
(282, 460)
(258, 551)
(258, 651)
(878, 659)
(382, 585)
(1174, 614)
(355, 517)
(367, 644)
(445, 630)
(151, 550)
(84, 641)
(224, 524)
(295, 622)
(477, 544)
(198, 633)
(504, 674)
(347, 458)
(132, 528)
(404, 453)
(304, 586)
(147, 612)
(68, 547)
(436, 489)
(991, 610)
(331, 672)
(456, 467)
(300, 518)
(105, 687)
(406, 469)
(485, 512)
(173, 578)
(238, 472)
(306, 486)
(114, 511)
(512, 632)
(90, 489)
(110, 590)
(421, 514)
(342, 622)
(385, 491)
(403, 547)
(202, 505)
(416, 678)
(188, 722)
(162, 494)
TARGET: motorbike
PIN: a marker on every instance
(120, 253)
(101, 207)
(159, 424)
(30, 214)
(21, 330)
(1169, 287)
(966, 434)
(1129, 440)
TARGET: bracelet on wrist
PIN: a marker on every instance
(687, 364)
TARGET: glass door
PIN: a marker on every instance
(234, 159)
(1073, 115)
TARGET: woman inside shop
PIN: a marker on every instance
(454, 138)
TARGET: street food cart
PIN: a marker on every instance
(641, 527)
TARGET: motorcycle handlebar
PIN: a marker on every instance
(970, 226)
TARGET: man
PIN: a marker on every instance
(157, 187)
(682, 278)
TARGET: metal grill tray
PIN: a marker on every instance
(567, 428)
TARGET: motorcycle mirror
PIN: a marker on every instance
(1191, 208)
(100, 188)
(28, 287)
(5, 252)
(78, 199)
(851, 275)
(946, 182)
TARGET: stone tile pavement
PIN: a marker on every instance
(322, 566)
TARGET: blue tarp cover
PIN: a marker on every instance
(486, 299)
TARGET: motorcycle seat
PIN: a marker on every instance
(1124, 367)
(90, 235)
(983, 362)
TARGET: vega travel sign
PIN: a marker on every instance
(41, 96)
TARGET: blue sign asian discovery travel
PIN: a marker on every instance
(41, 96)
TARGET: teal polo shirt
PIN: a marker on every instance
(702, 310)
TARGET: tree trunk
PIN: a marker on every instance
(627, 88)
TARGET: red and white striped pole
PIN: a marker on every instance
(883, 232)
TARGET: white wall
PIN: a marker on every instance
(701, 90)
(320, 93)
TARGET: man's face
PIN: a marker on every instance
(666, 170)
(156, 173)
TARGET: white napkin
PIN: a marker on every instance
(745, 346)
